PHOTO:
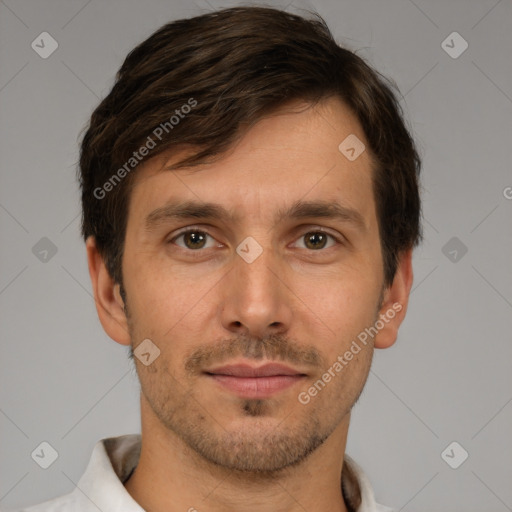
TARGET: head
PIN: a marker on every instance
(249, 108)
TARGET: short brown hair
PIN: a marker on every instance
(235, 66)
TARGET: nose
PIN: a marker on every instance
(256, 300)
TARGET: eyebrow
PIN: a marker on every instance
(213, 211)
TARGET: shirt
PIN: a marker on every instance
(114, 459)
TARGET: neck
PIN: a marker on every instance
(171, 477)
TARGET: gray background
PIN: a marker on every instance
(448, 378)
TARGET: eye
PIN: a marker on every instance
(196, 239)
(317, 239)
(193, 239)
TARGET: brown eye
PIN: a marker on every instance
(193, 239)
(316, 240)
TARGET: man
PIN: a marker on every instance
(250, 206)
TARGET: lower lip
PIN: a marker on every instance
(257, 387)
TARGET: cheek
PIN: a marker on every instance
(339, 305)
(173, 313)
(159, 295)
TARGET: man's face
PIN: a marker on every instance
(209, 299)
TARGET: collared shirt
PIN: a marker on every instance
(114, 459)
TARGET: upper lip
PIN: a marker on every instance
(245, 370)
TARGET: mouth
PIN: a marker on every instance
(248, 381)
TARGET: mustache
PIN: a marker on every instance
(274, 347)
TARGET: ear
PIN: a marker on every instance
(109, 304)
(395, 301)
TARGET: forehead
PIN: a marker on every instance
(291, 156)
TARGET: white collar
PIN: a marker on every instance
(113, 459)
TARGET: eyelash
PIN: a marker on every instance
(197, 230)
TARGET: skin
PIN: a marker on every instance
(299, 303)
